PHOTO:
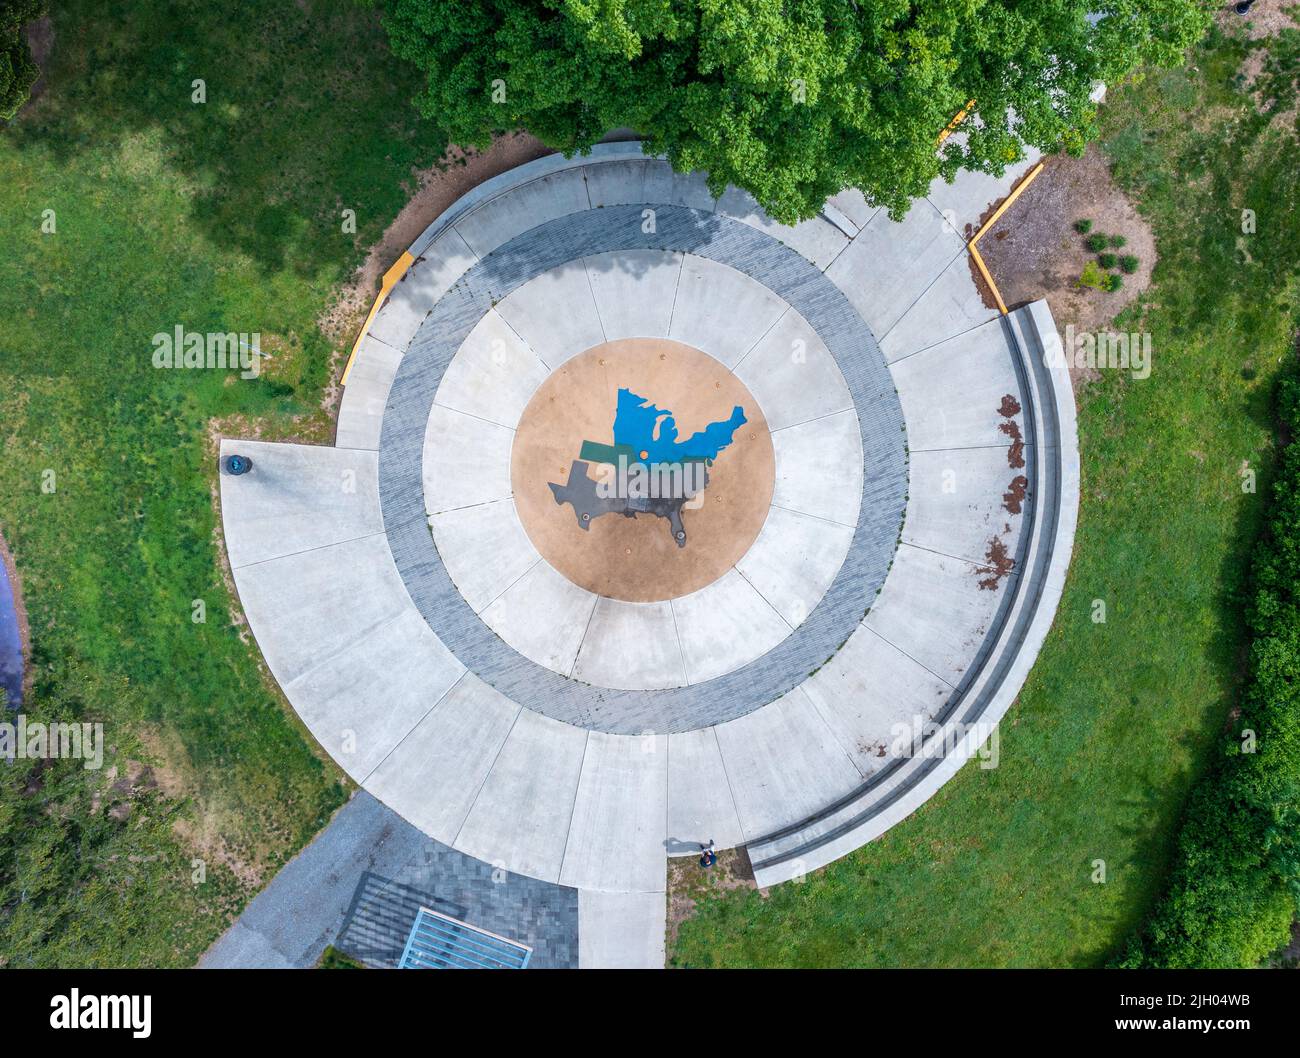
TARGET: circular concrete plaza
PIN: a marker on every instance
(650, 521)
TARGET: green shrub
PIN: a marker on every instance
(1117, 241)
(1092, 276)
(17, 71)
(1128, 264)
(1235, 885)
(1096, 243)
(1083, 226)
(1107, 260)
(1114, 281)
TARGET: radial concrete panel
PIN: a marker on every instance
(521, 816)
(485, 549)
(700, 805)
(493, 374)
(793, 375)
(308, 607)
(296, 498)
(664, 186)
(634, 291)
(631, 645)
(555, 336)
(361, 411)
(725, 625)
(794, 560)
(450, 751)
(620, 183)
(621, 931)
(363, 700)
(871, 693)
(514, 212)
(819, 468)
(971, 193)
(816, 239)
(967, 502)
(466, 461)
(442, 263)
(783, 763)
(952, 304)
(954, 394)
(891, 264)
(938, 610)
(721, 311)
(544, 616)
(853, 204)
(616, 836)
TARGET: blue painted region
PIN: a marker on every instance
(11, 644)
(637, 421)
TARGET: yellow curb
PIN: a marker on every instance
(391, 278)
(997, 214)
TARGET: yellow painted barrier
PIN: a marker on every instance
(952, 125)
(391, 279)
(997, 214)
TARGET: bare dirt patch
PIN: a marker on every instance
(1035, 252)
(689, 883)
(1266, 18)
(40, 39)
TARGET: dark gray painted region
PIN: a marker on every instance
(359, 884)
(806, 290)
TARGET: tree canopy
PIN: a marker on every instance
(17, 71)
(792, 100)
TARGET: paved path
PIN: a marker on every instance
(359, 884)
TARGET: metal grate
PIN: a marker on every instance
(440, 942)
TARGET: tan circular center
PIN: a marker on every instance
(638, 558)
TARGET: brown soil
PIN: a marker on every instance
(637, 559)
(1034, 252)
(688, 883)
(1266, 19)
(40, 39)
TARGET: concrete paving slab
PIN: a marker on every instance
(934, 610)
(663, 186)
(296, 498)
(631, 645)
(361, 410)
(521, 816)
(484, 548)
(361, 701)
(794, 560)
(721, 311)
(514, 212)
(953, 394)
(466, 461)
(889, 265)
(493, 374)
(869, 694)
(530, 310)
(616, 835)
(952, 305)
(433, 775)
(544, 616)
(700, 805)
(621, 931)
(634, 291)
(620, 183)
(784, 763)
(816, 239)
(724, 626)
(793, 374)
(285, 599)
(443, 262)
(853, 204)
(971, 193)
(956, 502)
(819, 468)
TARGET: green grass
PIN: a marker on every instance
(1117, 719)
(220, 216)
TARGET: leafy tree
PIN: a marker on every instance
(17, 71)
(791, 99)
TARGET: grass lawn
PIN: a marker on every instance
(1116, 719)
(223, 215)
